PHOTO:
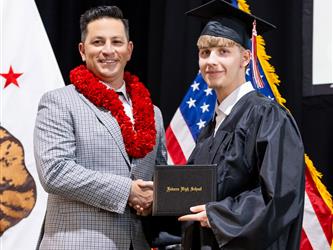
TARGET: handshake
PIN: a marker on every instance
(141, 197)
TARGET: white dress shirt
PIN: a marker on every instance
(225, 107)
(124, 98)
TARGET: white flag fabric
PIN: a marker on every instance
(28, 69)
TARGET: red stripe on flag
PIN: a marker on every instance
(173, 147)
(323, 213)
(305, 243)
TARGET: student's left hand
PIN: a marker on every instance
(199, 214)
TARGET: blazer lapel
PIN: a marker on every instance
(111, 124)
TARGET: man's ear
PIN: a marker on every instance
(246, 57)
(130, 47)
(82, 51)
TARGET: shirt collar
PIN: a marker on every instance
(229, 102)
(122, 89)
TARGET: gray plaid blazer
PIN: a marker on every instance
(83, 165)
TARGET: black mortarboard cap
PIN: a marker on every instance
(227, 21)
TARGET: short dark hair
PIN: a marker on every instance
(101, 12)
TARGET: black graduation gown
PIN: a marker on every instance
(260, 159)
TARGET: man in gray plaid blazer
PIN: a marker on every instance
(95, 151)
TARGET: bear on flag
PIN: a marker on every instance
(28, 69)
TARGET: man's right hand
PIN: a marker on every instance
(141, 196)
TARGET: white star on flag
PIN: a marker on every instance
(191, 103)
(195, 86)
(201, 124)
(204, 107)
(208, 91)
(247, 71)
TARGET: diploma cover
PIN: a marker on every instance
(177, 188)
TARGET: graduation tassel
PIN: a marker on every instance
(255, 70)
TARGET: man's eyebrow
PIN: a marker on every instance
(97, 37)
(102, 37)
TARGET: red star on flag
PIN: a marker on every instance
(11, 77)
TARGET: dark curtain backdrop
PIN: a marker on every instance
(165, 57)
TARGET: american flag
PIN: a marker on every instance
(197, 109)
(194, 113)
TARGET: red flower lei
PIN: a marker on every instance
(139, 138)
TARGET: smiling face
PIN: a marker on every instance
(106, 50)
(222, 64)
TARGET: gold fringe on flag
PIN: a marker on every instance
(316, 176)
(274, 81)
(271, 76)
(242, 5)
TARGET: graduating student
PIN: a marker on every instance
(254, 142)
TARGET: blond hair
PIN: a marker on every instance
(206, 41)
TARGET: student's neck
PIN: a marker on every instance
(223, 93)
